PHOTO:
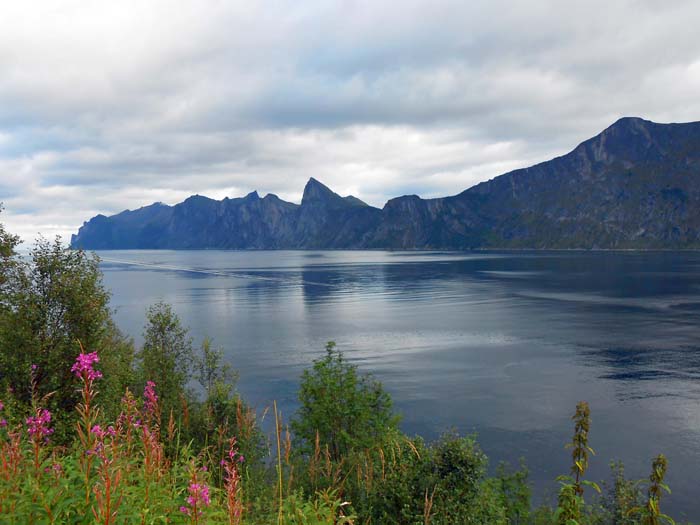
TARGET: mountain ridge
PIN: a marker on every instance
(634, 185)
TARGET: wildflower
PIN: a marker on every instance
(3, 423)
(39, 425)
(199, 493)
(34, 367)
(150, 397)
(197, 499)
(127, 416)
(101, 434)
(232, 482)
(83, 366)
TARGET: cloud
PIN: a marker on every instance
(112, 105)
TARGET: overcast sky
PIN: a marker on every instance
(108, 105)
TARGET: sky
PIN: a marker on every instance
(106, 106)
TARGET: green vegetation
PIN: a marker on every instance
(93, 430)
(341, 409)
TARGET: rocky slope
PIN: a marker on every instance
(636, 185)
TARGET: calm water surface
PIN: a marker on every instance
(501, 344)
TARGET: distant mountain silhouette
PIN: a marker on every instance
(635, 185)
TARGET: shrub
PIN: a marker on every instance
(348, 411)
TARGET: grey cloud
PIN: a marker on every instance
(106, 106)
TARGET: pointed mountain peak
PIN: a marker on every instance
(252, 196)
(314, 191)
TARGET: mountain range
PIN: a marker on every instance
(635, 185)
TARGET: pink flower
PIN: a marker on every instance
(232, 481)
(197, 499)
(150, 397)
(38, 425)
(3, 422)
(199, 493)
(83, 367)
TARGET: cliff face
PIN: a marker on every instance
(636, 185)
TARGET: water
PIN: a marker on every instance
(501, 344)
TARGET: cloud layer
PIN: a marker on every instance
(111, 105)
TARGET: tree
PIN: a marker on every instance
(8, 242)
(166, 357)
(50, 305)
(210, 371)
(8, 262)
(347, 410)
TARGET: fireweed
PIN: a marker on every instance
(39, 431)
(107, 492)
(197, 496)
(84, 370)
(232, 483)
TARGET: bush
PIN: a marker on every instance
(406, 481)
(345, 410)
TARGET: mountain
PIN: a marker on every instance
(635, 185)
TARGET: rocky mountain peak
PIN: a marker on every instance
(252, 196)
(315, 192)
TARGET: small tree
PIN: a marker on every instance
(347, 410)
(210, 371)
(166, 357)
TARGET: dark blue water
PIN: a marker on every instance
(501, 344)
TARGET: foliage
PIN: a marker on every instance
(514, 492)
(166, 357)
(570, 503)
(618, 500)
(325, 509)
(51, 303)
(651, 512)
(8, 242)
(210, 371)
(346, 410)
